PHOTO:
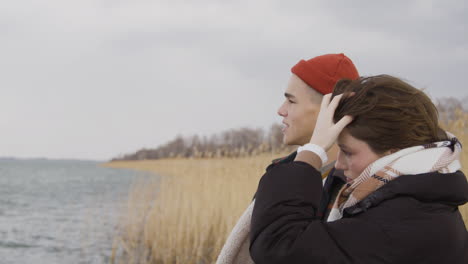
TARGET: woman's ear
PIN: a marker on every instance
(390, 151)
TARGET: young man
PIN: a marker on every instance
(310, 80)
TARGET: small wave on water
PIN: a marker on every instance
(10, 244)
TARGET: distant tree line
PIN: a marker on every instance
(451, 108)
(230, 143)
(247, 141)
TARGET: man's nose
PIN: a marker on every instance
(282, 110)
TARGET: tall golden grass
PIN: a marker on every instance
(459, 127)
(185, 215)
(197, 203)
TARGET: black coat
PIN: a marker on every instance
(412, 219)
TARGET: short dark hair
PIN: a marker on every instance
(388, 113)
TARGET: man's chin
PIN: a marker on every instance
(289, 142)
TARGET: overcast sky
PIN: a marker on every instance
(92, 79)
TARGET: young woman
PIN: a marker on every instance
(404, 185)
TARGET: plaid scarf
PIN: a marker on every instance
(442, 157)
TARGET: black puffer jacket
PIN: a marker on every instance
(412, 219)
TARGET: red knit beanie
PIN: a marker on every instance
(322, 72)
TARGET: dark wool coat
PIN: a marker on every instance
(412, 219)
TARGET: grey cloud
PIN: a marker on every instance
(114, 76)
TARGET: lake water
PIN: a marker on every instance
(60, 211)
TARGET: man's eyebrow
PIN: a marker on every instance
(289, 96)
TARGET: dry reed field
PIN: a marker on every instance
(185, 215)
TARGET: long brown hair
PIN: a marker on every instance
(388, 113)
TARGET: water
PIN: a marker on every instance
(60, 211)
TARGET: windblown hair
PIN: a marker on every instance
(389, 114)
